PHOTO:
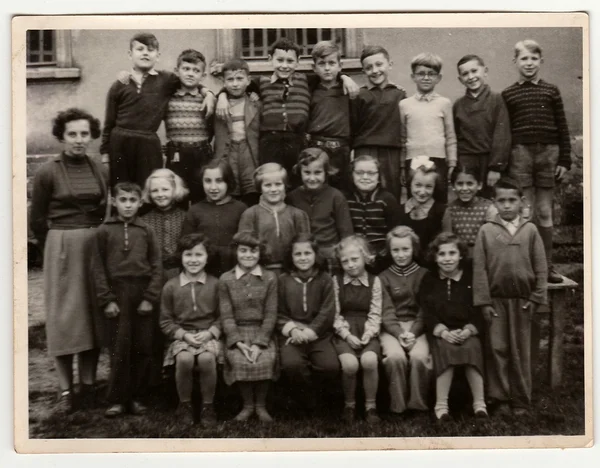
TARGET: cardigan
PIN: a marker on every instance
(248, 301)
(126, 250)
(167, 226)
(375, 119)
(180, 312)
(306, 302)
(54, 203)
(507, 266)
(284, 108)
(537, 115)
(328, 212)
(402, 286)
(482, 127)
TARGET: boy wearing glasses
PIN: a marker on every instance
(427, 127)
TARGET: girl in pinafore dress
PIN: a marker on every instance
(189, 316)
(453, 322)
(465, 215)
(358, 302)
(217, 216)
(248, 308)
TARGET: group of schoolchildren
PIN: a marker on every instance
(335, 276)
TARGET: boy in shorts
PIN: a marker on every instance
(541, 145)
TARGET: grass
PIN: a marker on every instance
(558, 412)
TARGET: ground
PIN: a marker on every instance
(560, 411)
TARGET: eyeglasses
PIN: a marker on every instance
(366, 173)
(422, 75)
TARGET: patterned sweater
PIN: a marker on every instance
(285, 106)
(465, 220)
(184, 122)
(167, 227)
(537, 115)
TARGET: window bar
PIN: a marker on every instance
(251, 42)
(265, 42)
(305, 40)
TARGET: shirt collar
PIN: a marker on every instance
(456, 276)
(535, 82)
(256, 271)
(138, 77)
(485, 89)
(411, 204)
(426, 97)
(275, 78)
(389, 85)
(184, 279)
(364, 279)
(515, 222)
(183, 92)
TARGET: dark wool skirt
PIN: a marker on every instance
(357, 328)
(447, 354)
(238, 368)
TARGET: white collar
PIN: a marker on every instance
(184, 279)
(426, 97)
(275, 78)
(256, 271)
(456, 276)
(515, 222)
(363, 278)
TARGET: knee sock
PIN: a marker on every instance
(261, 389)
(442, 389)
(349, 387)
(546, 235)
(475, 380)
(370, 383)
(208, 377)
(247, 392)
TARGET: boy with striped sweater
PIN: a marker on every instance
(541, 145)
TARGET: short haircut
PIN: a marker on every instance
(236, 64)
(127, 187)
(359, 241)
(180, 191)
(469, 58)
(148, 39)
(249, 239)
(226, 172)
(447, 238)
(426, 59)
(189, 241)
(365, 158)
(310, 155)
(191, 56)
(59, 124)
(469, 170)
(288, 260)
(374, 50)
(427, 170)
(529, 45)
(508, 183)
(268, 168)
(401, 232)
(283, 43)
(325, 48)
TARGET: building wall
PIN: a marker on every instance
(100, 54)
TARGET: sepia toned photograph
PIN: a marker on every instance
(301, 232)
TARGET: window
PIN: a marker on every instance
(41, 47)
(256, 42)
(253, 45)
(49, 55)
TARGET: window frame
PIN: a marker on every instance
(229, 46)
(63, 68)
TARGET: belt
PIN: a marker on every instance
(136, 132)
(324, 142)
(188, 144)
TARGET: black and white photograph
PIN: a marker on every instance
(296, 232)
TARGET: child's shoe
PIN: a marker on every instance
(185, 413)
(348, 415)
(263, 414)
(209, 416)
(65, 405)
(503, 409)
(245, 414)
(136, 408)
(442, 416)
(115, 411)
(87, 394)
(372, 417)
(481, 414)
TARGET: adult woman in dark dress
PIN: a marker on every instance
(68, 203)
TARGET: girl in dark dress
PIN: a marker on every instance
(453, 323)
